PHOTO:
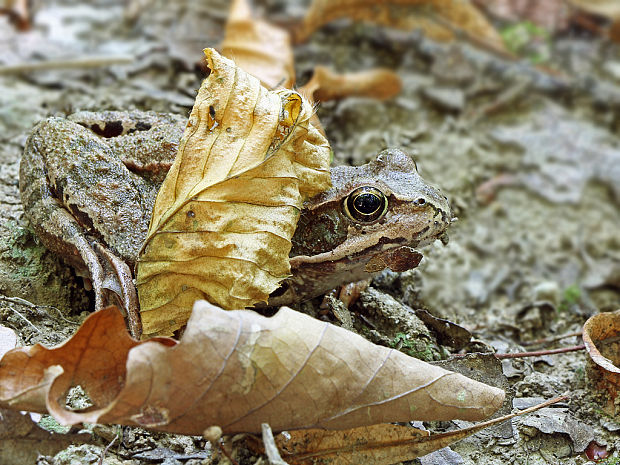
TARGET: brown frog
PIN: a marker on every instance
(88, 184)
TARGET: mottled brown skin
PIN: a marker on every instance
(82, 194)
(88, 184)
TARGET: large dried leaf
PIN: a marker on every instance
(437, 18)
(376, 444)
(259, 48)
(601, 335)
(236, 370)
(224, 217)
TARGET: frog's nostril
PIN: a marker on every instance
(419, 202)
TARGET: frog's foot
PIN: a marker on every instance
(116, 277)
(111, 280)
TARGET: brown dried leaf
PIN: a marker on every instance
(237, 369)
(601, 337)
(326, 85)
(437, 18)
(23, 441)
(224, 217)
(258, 47)
(376, 444)
(607, 8)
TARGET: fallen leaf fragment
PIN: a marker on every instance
(224, 217)
(18, 11)
(437, 18)
(326, 85)
(601, 337)
(258, 47)
(607, 8)
(377, 444)
(23, 441)
(236, 370)
(8, 340)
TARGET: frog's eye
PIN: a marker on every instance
(365, 204)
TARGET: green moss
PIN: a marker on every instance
(610, 461)
(570, 297)
(48, 423)
(528, 40)
(414, 348)
(22, 248)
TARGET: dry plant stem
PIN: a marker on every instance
(19, 314)
(540, 353)
(477, 42)
(551, 339)
(26, 303)
(105, 451)
(271, 449)
(223, 450)
(79, 63)
(507, 97)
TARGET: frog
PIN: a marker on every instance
(88, 184)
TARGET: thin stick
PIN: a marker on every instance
(105, 451)
(540, 353)
(22, 316)
(71, 63)
(26, 303)
(550, 339)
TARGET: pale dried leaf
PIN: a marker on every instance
(376, 444)
(237, 369)
(437, 18)
(326, 85)
(259, 48)
(8, 340)
(224, 217)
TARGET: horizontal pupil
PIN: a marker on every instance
(367, 204)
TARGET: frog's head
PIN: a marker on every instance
(371, 218)
(371, 208)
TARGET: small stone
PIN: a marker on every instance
(547, 290)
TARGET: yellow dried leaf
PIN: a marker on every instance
(228, 208)
(437, 18)
(258, 47)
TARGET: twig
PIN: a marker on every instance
(78, 63)
(105, 451)
(549, 340)
(271, 449)
(26, 303)
(540, 353)
(19, 314)
(223, 450)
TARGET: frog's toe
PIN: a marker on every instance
(117, 279)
